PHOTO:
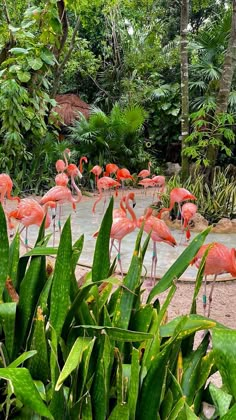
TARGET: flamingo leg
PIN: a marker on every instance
(59, 219)
(119, 257)
(154, 263)
(111, 246)
(54, 215)
(211, 295)
(204, 296)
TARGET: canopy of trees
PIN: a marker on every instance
(173, 59)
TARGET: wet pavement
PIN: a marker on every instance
(83, 221)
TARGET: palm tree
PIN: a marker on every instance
(115, 137)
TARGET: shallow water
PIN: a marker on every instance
(83, 221)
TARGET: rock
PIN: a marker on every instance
(233, 221)
(224, 225)
(172, 168)
(198, 223)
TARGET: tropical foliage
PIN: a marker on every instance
(115, 137)
(90, 351)
(215, 202)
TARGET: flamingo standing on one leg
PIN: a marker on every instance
(104, 183)
(30, 212)
(219, 260)
(6, 186)
(177, 195)
(145, 172)
(120, 228)
(96, 170)
(188, 211)
(159, 233)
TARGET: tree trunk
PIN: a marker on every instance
(184, 83)
(225, 81)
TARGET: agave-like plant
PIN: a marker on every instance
(95, 351)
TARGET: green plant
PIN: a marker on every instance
(209, 130)
(214, 202)
(112, 138)
(93, 352)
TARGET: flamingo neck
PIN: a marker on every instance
(131, 212)
(99, 199)
(82, 159)
(65, 159)
(79, 194)
(122, 203)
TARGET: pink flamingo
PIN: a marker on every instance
(160, 183)
(82, 159)
(177, 195)
(146, 183)
(61, 195)
(104, 183)
(122, 175)
(30, 212)
(120, 228)
(96, 170)
(121, 212)
(219, 260)
(6, 186)
(111, 168)
(188, 211)
(61, 179)
(61, 165)
(145, 172)
(159, 233)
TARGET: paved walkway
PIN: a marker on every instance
(83, 221)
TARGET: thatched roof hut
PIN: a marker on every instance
(69, 106)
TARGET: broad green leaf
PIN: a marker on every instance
(14, 253)
(41, 251)
(22, 358)
(24, 76)
(231, 414)
(221, 399)
(35, 63)
(4, 251)
(124, 304)
(190, 415)
(19, 51)
(47, 56)
(224, 347)
(134, 383)
(121, 411)
(115, 333)
(38, 365)
(194, 323)
(7, 320)
(175, 413)
(191, 370)
(101, 382)
(180, 265)
(73, 359)
(101, 258)
(151, 391)
(25, 390)
(60, 292)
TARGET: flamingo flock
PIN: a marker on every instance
(220, 259)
